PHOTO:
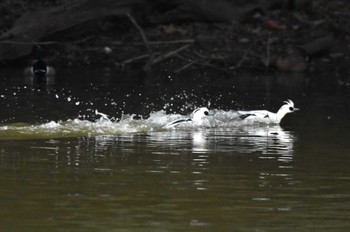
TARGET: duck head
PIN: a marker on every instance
(199, 114)
(287, 108)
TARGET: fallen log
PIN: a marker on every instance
(34, 26)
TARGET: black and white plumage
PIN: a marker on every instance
(197, 118)
(268, 116)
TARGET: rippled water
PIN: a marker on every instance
(91, 155)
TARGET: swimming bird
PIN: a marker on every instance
(197, 118)
(275, 118)
(40, 70)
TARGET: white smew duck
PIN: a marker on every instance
(197, 118)
(275, 118)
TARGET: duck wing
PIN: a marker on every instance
(176, 122)
(253, 113)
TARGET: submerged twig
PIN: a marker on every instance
(128, 61)
(135, 58)
(186, 66)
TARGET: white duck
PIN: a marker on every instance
(275, 118)
(197, 118)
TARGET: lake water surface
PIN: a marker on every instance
(87, 152)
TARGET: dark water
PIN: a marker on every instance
(62, 168)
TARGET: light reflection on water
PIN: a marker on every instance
(165, 178)
(215, 179)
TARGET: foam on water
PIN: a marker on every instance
(106, 125)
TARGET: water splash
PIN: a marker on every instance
(127, 124)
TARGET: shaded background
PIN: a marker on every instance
(179, 36)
